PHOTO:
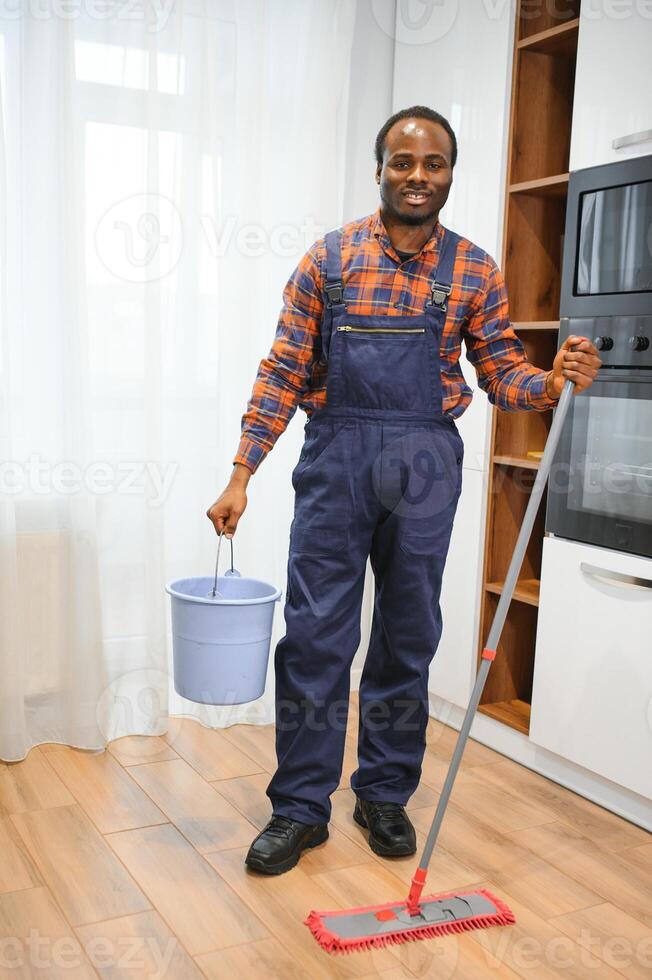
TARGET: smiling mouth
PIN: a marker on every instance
(416, 197)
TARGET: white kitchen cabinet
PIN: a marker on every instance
(613, 83)
(592, 690)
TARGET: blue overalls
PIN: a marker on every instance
(379, 476)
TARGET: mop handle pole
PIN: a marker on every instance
(495, 632)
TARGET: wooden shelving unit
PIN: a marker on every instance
(543, 77)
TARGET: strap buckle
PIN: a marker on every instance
(335, 292)
(440, 293)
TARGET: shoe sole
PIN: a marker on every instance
(279, 869)
(403, 850)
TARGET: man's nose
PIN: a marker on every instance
(418, 174)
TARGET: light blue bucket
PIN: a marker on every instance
(221, 633)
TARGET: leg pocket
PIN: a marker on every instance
(430, 536)
(306, 539)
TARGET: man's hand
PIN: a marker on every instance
(230, 505)
(576, 359)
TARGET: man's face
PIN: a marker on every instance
(416, 175)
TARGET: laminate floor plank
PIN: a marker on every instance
(30, 785)
(475, 842)
(536, 948)
(202, 815)
(208, 750)
(617, 880)
(197, 904)
(137, 947)
(619, 940)
(134, 750)
(257, 742)
(105, 790)
(36, 940)
(265, 959)
(17, 867)
(247, 794)
(78, 865)
(606, 829)
(282, 903)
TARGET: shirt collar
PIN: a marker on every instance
(380, 233)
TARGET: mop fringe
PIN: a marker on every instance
(333, 943)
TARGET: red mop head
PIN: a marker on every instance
(342, 931)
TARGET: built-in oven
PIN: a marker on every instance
(600, 489)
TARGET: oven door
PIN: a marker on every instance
(600, 488)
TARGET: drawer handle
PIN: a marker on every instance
(632, 139)
(615, 578)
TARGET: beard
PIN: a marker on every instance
(407, 217)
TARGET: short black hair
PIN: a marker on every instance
(415, 112)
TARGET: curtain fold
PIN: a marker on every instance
(161, 174)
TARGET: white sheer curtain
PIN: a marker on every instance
(162, 169)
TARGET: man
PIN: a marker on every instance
(368, 343)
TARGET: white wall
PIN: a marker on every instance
(370, 104)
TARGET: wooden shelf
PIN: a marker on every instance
(522, 462)
(541, 114)
(527, 590)
(535, 324)
(559, 40)
(515, 714)
(535, 19)
(555, 186)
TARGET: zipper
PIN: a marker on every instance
(349, 329)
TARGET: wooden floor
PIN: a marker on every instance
(129, 863)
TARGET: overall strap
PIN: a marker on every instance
(333, 288)
(443, 276)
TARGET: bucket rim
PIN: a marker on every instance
(274, 595)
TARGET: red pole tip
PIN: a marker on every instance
(414, 895)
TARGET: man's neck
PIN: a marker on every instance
(408, 238)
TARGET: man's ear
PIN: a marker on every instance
(378, 174)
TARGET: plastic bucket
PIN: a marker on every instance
(221, 645)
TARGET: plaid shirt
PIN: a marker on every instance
(290, 376)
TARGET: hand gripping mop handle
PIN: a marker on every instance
(489, 652)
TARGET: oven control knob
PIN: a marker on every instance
(639, 343)
(603, 343)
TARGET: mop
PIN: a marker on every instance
(341, 931)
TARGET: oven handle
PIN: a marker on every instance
(632, 139)
(615, 578)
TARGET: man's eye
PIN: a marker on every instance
(435, 166)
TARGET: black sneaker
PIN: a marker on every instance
(279, 845)
(391, 833)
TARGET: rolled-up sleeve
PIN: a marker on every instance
(511, 382)
(283, 376)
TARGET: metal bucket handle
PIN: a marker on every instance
(229, 571)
